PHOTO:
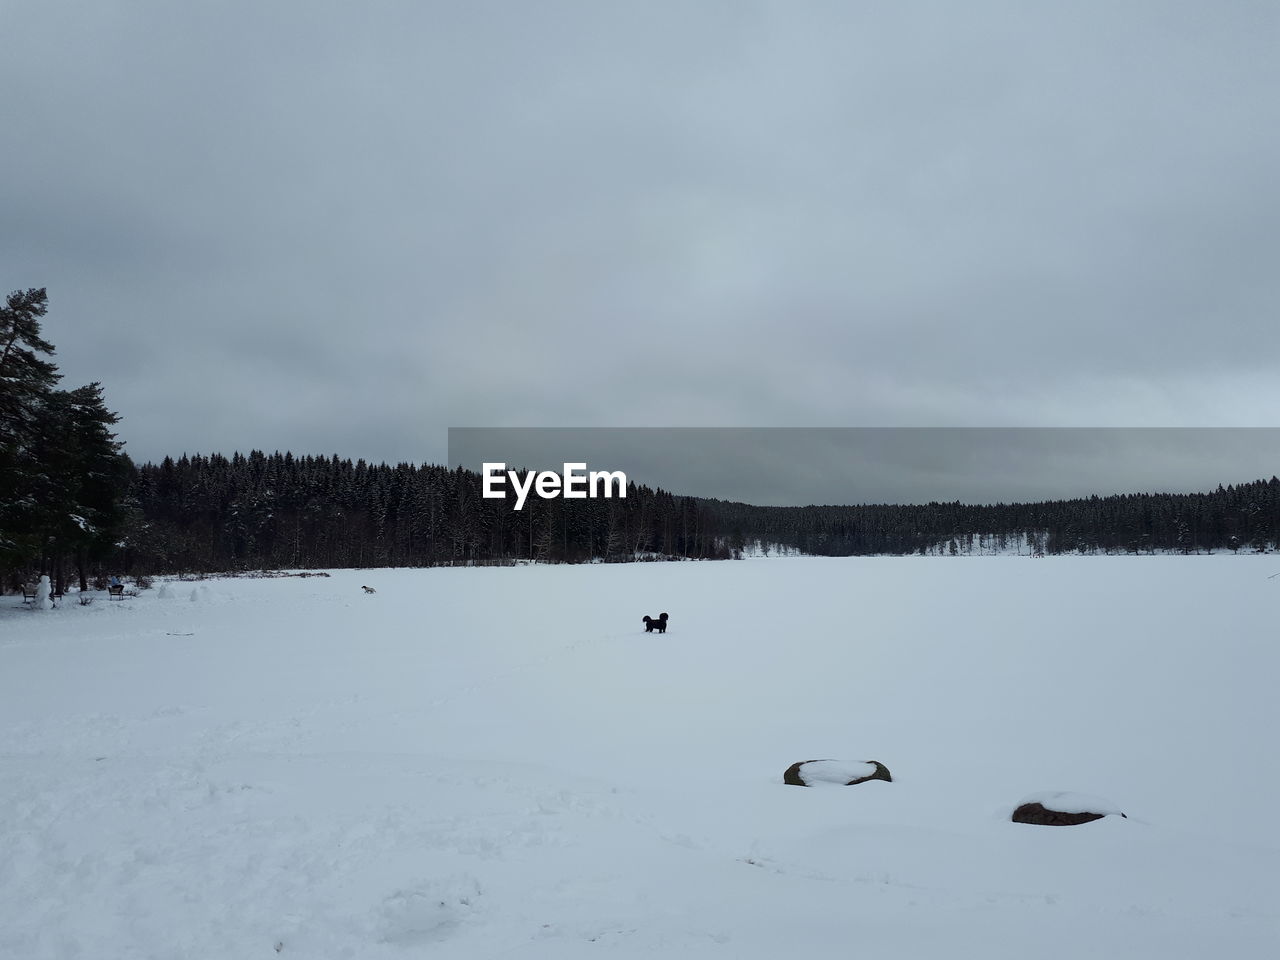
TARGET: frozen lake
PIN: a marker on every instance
(501, 763)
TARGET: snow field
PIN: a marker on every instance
(500, 763)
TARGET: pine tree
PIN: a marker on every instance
(25, 383)
(61, 469)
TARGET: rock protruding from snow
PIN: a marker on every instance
(1063, 809)
(808, 773)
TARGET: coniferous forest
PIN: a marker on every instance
(64, 482)
(280, 511)
(74, 506)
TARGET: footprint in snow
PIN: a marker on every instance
(427, 914)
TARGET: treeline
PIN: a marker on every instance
(1239, 517)
(277, 511)
(63, 477)
(72, 503)
(204, 513)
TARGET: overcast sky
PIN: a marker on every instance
(344, 228)
(799, 466)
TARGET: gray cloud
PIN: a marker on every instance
(798, 467)
(345, 229)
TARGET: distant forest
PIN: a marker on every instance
(72, 503)
(281, 511)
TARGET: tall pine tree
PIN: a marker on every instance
(62, 475)
(26, 380)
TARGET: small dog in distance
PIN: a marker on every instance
(368, 590)
(659, 624)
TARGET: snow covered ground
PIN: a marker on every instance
(500, 763)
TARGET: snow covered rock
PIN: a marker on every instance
(1063, 809)
(807, 773)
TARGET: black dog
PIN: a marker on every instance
(651, 624)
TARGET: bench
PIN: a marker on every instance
(115, 591)
(28, 594)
